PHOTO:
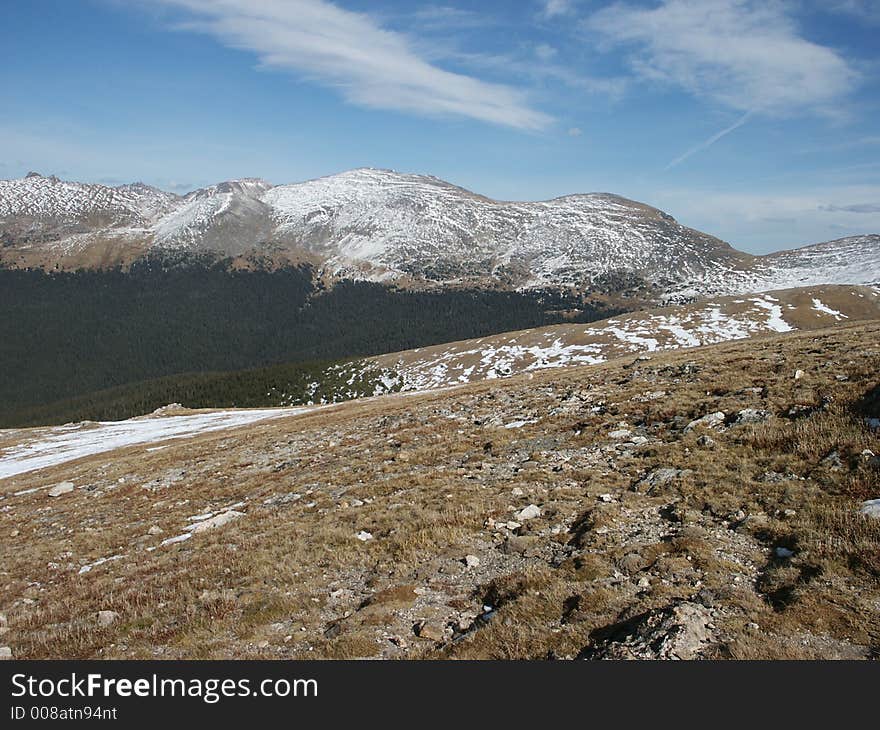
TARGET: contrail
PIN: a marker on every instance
(709, 142)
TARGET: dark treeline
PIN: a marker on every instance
(288, 385)
(66, 334)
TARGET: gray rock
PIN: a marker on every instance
(5, 653)
(710, 420)
(659, 478)
(107, 618)
(751, 415)
(212, 523)
(871, 508)
(833, 461)
(682, 631)
(528, 513)
(518, 544)
(61, 488)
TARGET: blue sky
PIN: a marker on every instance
(758, 122)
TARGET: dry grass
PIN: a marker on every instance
(433, 478)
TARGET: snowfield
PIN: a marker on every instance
(59, 445)
(705, 323)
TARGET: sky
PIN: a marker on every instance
(755, 121)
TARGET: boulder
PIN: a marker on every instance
(528, 513)
(107, 618)
(710, 420)
(61, 488)
(219, 520)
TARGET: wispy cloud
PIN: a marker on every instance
(745, 54)
(554, 8)
(709, 142)
(855, 208)
(865, 10)
(371, 66)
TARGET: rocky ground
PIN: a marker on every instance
(708, 503)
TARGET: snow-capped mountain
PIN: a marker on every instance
(386, 226)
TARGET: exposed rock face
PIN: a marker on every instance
(681, 631)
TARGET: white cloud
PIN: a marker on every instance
(745, 54)
(545, 52)
(553, 8)
(575, 132)
(866, 10)
(371, 66)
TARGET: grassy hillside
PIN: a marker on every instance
(591, 512)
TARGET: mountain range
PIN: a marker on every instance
(409, 230)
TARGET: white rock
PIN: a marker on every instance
(106, 618)
(871, 508)
(224, 518)
(798, 374)
(517, 492)
(622, 433)
(606, 497)
(364, 536)
(4, 624)
(472, 561)
(5, 653)
(155, 530)
(711, 420)
(62, 488)
(528, 513)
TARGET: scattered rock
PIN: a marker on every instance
(364, 536)
(659, 478)
(528, 513)
(62, 488)
(106, 618)
(429, 631)
(833, 461)
(751, 415)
